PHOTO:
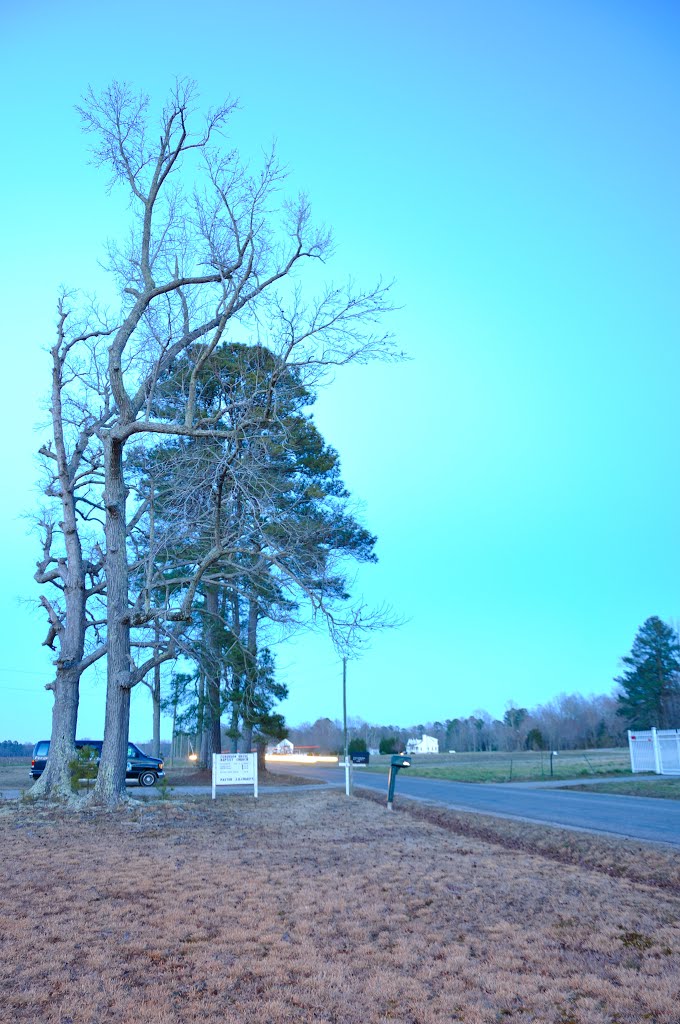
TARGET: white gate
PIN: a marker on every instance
(655, 750)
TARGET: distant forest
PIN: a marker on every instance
(569, 722)
(10, 748)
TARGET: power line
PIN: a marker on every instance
(22, 672)
(16, 689)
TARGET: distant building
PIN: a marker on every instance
(425, 745)
(284, 747)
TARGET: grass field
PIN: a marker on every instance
(495, 767)
(664, 787)
(519, 766)
(309, 907)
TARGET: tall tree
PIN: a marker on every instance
(651, 682)
(278, 486)
(210, 252)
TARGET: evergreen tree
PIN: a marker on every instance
(650, 684)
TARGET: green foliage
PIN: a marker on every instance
(649, 685)
(535, 740)
(514, 717)
(84, 765)
(164, 790)
(298, 515)
(389, 745)
(357, 745)
(270, 726)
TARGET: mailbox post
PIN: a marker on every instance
(398, 761)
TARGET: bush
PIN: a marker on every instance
(389, 745)
(84, 765)
(534, 740)
(357, 746)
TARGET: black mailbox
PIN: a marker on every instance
(398, 761)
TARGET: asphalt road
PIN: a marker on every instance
(632, 817)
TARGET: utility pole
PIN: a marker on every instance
(344, 724)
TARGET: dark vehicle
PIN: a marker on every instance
(140, 766)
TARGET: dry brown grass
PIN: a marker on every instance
(311, 907)
(650, 863)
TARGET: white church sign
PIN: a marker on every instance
(234, 770)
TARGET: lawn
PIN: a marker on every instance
(494, 766)
(309, 907)
(667, 788)
(519, 766)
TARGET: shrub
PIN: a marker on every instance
(389, 745)
(83, 766)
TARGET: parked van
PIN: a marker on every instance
(140, 766)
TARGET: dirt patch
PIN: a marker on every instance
(15, 776)
(309, 907)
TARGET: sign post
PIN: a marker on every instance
(234, 770)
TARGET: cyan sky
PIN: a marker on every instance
(515, 166)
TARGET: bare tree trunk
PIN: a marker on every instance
(174, 724)
(200, 715)
(55, 781)
(69, 629)
(250, 675)
(156, 698)
(110, 785)
(247, 738)
(212, 737)
(233, 729)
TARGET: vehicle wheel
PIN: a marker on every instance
(147, 778)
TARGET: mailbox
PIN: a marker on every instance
(398, 761)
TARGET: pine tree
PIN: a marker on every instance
(651, 682)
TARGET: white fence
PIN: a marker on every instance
(655, 750)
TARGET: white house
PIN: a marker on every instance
(425, 745)
(284, 747)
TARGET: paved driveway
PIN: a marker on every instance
(633, 817)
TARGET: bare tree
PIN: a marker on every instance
(202, 260)
(73, 465)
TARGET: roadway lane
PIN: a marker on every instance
(632, 817)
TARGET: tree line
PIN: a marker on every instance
(192, 509)
(12, 748)
(647, 694)
(569, 722)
